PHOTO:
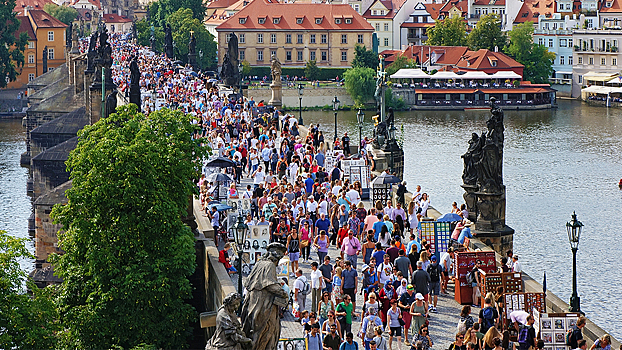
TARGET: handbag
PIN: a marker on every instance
(304, 243)
(341, 318)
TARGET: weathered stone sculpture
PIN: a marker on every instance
(152, 39)
(260, 312)
(276, 86)
(92, 54)
(192, 51)
(135, 83)
(75, 50)
(229, 71)
(111, 103)
(229, 334)
(68, 42)
(103, 60)
(168, 41)
(45, 59)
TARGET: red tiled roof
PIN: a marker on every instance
(532, 9)
(433, 10)
(416, 25)
(482, 59)
(20, 5)
(460, 4)
(25, 27)
(93, 2)
(527, 90)
(288, 13)
(615, 6)
(447, 55)
(489, 2)
(114, 18)
(221, 4)
(44, 20)
(392, 5)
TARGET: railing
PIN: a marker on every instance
(560, 81)
(612, 49)
(480, 103)
(455, 86)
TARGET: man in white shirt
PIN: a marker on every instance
(517, 267)
(299, 286)
(354, 196)
(258, 176)
(322, 206)
(417, 194)
(316, 286)
(312, 207)
(337, 187)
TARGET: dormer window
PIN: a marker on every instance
(261, 20)
(242, 20)
(348, 20)
(276, 20)
(318, 20)
(337, 20)
(299, 20)
(525, 14)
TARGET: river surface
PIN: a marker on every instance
(556, 162)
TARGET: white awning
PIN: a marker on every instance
(598, 76)
(475, 75)
(602, 90)
(410, 73)
(563, 72)
(506, 75)
(445, 75)
(616, 80)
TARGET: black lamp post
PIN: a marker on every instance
(301, 88)
(360, 117)
(240, 229)
(336, 103)
(240, 69)
(574, 228)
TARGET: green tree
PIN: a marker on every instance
(360, 84)
(128, 255)
(161, 9)
(26, 322)
(537, 59)
(392, 101)
(62, 13)
(312, 72)
(143, 28)
(448, 32)
(487, 34)
(400, 62)
(11, 48)
(364, 58)
(246, 67)
(182, 23)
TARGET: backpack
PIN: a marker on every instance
(306, 287)
(570, 336)
(434, 274)
(489, 318)
(371, 326)
(462, 328)
(523, 333)
(283, 166)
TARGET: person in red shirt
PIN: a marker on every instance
(223, 257)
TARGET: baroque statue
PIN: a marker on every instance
(168, 41)
(135, 83)
(92, 53)
(229, 70)
(260, 311)
(275, 70)
(229, 334)
(45, 59)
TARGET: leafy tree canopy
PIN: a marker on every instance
(161, 9)
(128, 255)
(537, 59)
(400, 62)
(11, 47)
(182, 23)
(143, 28)
(364, 58)
(448, 32)
(27, 322)
(487, 34)
(312, 72)
(360, 84)
(65, 14)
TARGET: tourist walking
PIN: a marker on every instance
(351, 246)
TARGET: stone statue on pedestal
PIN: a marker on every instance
(275, 69)
(192, 51)
(135, 83)
(68, 36)
(168, 41)
(92, 54)
(111, 103)
(229, 334)
(229, 71)
(260, 312)
(75, 50)
(45, 59)
(104, 60)
(276, 86)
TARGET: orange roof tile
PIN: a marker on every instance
(483, 59)
(114, 18)
(459, 4)
(44, 20)
(25, 27)
(446, 55)
(531, 9)
(614, 8)
(392, 5)
(416, 25)
(433, 10)
(489, 2)
(20, 5)
(288, 15)
(220, 4)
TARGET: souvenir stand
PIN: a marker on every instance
(465, 262)
(437, 234)
(510, 281)
(380, 192)
(357, 170)
(256, 243)
(552, 328)
(527, 302)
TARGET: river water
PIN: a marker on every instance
(555, 162)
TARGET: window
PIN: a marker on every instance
(324, 55)
(272, 53)
(259, 55)
(603, 61)
(550, 42)
(493, 63)
(561, 7)
(344, 38)
(337, 20)
(569, 42)
(50, 36)
(299, 20)
(242, 55)
(357, 8)
(276, 20)
(567, 6)
(580, 79)
(359, 39)
(299, 41)
(242, 20)
(50, 54)
(50, 69)
(386, 41)
(349, 20)
(614, 61)
(377, 27)
(31, 59)
(324, 39)
(318, 20)
(386, 27)
(562, 42)
(288, 38)
(242, 38)
(561, 60)
(570, 60)
(288, 55)
(260, 38)
(272, 38)
(31, 44)
(312, 55)
(299, 53)
(31, 76)
(540, 41)
(591, 60)
(312, 38)
(580, 60)
(261, 20)
(344, 55)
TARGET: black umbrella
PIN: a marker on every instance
(218, 177)
(220, 162)
(385, 178)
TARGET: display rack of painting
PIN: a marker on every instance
(553, 327)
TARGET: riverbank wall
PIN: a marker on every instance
(312, 96)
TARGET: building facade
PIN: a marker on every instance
(386, 17)
(594, 51)
(555, 34)
(296, 33)
(423, 17)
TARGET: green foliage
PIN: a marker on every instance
(62, 13)
(11, 49)
(392, 101)
(182, 23)
(128, 255)
(360, 84)
(26, 322)
(246, 67)
(312, 72)
(161, 9)
(143, 28)
(487, 34)
(364, 58)
(400, 62)
(537, 59)
(448, 32)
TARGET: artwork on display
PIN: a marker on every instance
(291, 344)
(560, 338)
(283, 268)
(246, 204)
(257, 256)
(571, 323)
(232, 218)
(234, 203)
(223, 190)
(547, 337)
(553, 327)
(559, 323)
(546, 324)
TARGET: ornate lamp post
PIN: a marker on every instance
(360, 117)
(574, 228)
(240, 230)
(301, 88)
(336, 103)
(240, 69)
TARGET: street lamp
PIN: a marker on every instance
(360, 117)
(301, 88)
(240, 230)
(574, 228)
(240, 69)
(336, 103)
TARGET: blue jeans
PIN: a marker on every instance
(321, 255)
(329, 288)
(352, 259)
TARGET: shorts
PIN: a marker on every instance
(474, 285)
(395, 331)
(294, 256)
(435, 288)
(351, 292)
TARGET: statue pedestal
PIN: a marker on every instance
(395, 157)
(277, 95)
(192, 60)
(470, 198)
(490, 227)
